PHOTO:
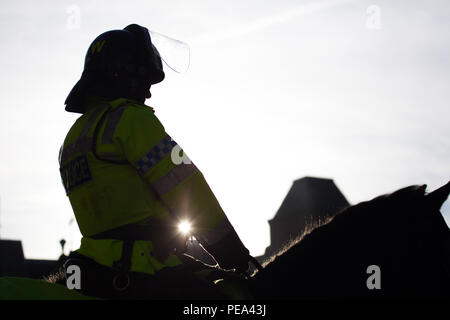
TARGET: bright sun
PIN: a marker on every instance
(184, 227)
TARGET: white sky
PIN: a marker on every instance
(276, 90)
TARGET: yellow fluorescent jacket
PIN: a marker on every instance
(119, 166)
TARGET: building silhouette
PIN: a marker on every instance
(14, 264)
(309, 201)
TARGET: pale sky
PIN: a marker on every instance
(355, 91)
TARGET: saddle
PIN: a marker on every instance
(193, 280)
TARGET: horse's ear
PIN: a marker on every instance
(438, 196)
(421, 189)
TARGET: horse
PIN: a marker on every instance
(401, 236)
(394, 246)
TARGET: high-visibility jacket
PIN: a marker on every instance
(119, 167)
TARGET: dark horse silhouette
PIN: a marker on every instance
(402, 233)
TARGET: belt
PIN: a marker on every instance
(164, 236)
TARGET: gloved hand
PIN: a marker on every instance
(230, 252)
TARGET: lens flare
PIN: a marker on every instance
(184, 227)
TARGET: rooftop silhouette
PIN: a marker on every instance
(309, 201)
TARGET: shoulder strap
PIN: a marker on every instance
(94, 140)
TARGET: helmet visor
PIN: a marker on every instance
(174, 53)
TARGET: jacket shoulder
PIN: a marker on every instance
(139, 118)
(136, 109)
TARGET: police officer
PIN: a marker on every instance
(130, 184)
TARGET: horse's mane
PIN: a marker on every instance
(310, 227)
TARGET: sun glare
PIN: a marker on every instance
(184, 227)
